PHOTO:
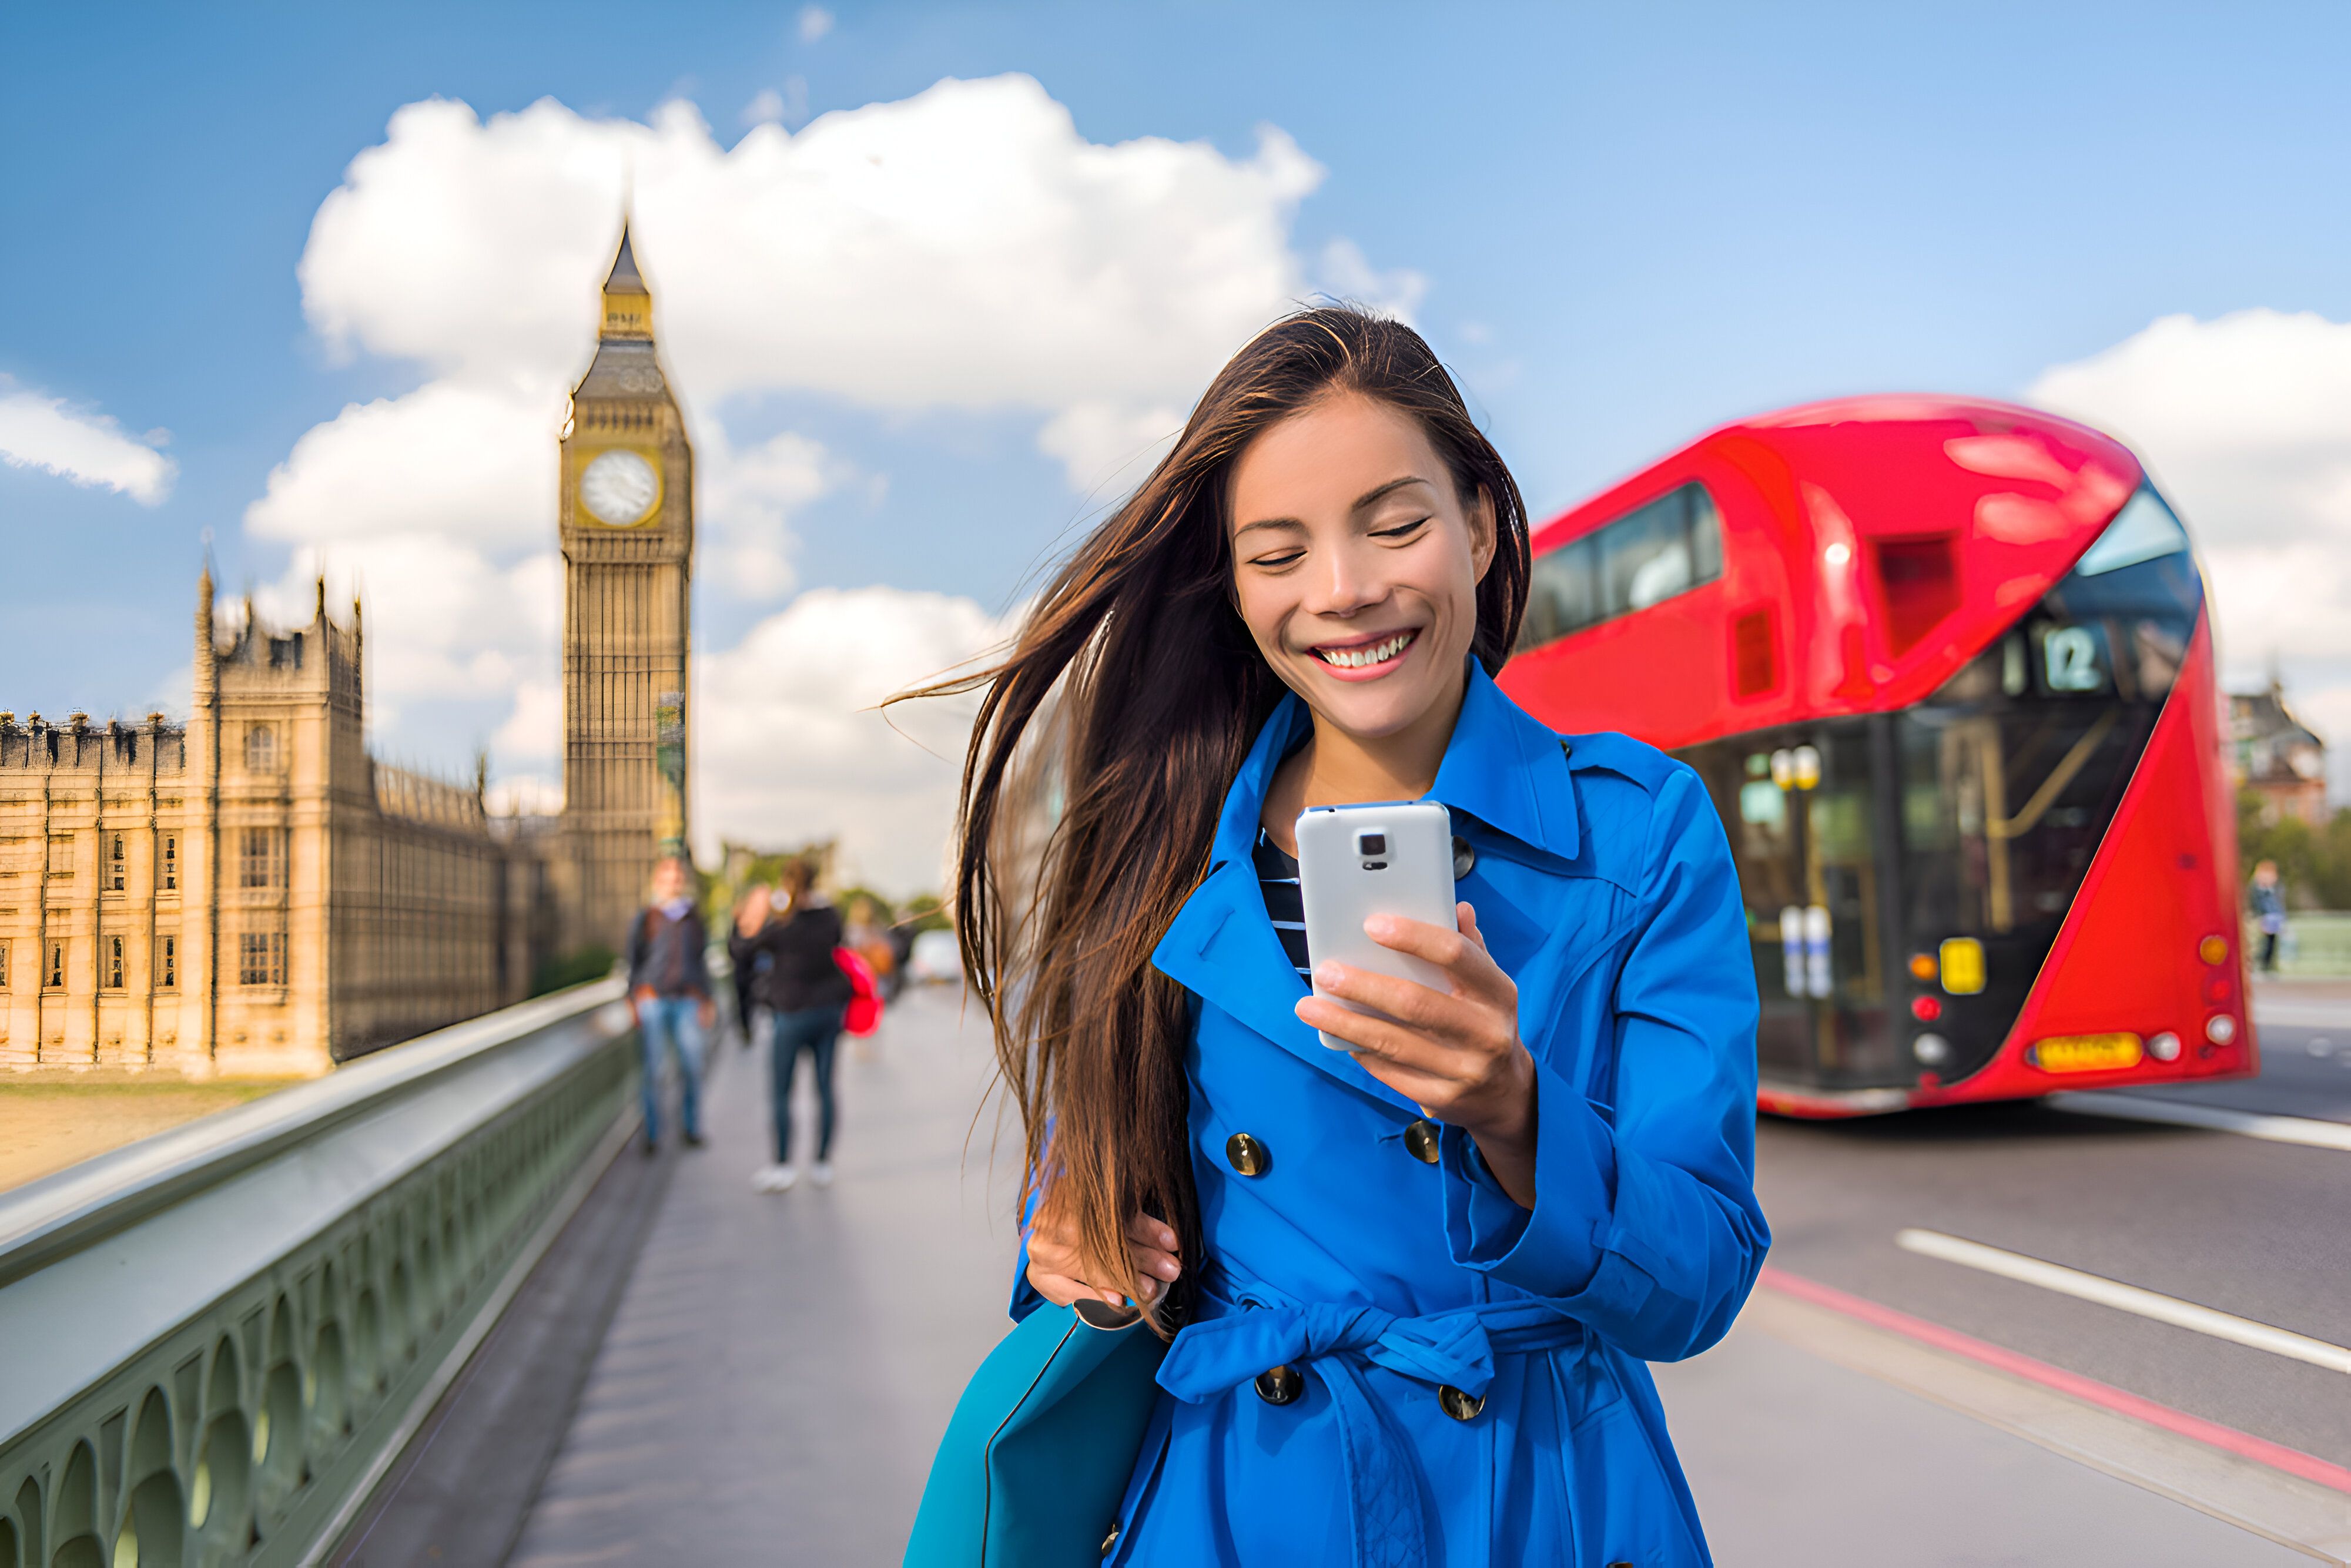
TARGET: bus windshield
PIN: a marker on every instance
(2011, 773)
(1865, 843)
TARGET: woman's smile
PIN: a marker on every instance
(1367, 658)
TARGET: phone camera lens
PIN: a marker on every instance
(1371, 844)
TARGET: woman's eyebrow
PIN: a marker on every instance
(1368, 498)
(1378, 491)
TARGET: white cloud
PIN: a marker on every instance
(454, 459)
(815, 23)
(767, 106)
(788, 746)
(81, 445)
(533, 732)
(2245, 420)
(965, 248)
(744, 509)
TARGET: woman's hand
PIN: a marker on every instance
(1456, 1053)
(1056, 1273)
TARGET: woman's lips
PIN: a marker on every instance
(1369, 658)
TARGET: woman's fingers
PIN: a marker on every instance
(1461, 954)
(1407, 1046)
(1057, 1269)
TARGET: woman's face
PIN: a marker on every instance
(1355, 565)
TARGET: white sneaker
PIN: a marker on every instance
(822, 1172)
(774, 1178)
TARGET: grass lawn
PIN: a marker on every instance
(48, 1125)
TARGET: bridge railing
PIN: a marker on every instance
(215, 1341)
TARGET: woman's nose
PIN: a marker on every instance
(1344, 586)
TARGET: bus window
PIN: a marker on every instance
(1651, 553)
(1561, 594)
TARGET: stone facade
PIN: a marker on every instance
(251, 894)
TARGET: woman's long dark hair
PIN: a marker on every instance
(1132, 693)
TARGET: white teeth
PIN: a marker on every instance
(1357, 658)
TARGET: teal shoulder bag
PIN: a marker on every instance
(1036, 1459)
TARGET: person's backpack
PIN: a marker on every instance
(864, 1015)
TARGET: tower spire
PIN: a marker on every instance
(628, 303)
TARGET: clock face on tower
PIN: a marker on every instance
(619, 487)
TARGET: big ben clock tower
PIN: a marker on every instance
(626, 522)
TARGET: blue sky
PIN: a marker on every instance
(1631, 223)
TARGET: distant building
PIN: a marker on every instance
(253, 894)
(2276, 756)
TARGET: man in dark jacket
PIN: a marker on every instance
(669, 986)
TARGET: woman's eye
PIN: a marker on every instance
(1402, 531)
(1278, 559)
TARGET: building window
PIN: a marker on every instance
(113, 964)
(114, 861)
(262, 860)
(3, 966)
(171, 863)
(261, 959)
(167, 962)
(56, 979)
(260, 750)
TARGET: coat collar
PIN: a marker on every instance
(1501, 767)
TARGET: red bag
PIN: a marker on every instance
(865, 1013)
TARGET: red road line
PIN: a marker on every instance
(2244, 1444)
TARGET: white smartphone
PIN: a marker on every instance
(1387, 858)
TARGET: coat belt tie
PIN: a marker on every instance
(1216, 1354)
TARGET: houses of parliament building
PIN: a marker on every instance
(251, 894)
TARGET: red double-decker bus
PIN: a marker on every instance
(1945, 668)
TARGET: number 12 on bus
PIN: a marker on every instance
(1946, 669)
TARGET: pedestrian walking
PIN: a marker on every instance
(809, 995)
(1410, 1285)
(2267, 896)
(748, 956)
(669, 987)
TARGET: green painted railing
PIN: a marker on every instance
(214, 1342)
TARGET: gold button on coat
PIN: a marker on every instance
(1247, 1156)
(1460, 1406)
(1420, 1141)
(1280, 1385)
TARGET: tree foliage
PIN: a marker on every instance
(2314, 863)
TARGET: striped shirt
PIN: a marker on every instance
(1285, 904)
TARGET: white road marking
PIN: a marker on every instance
(2108, 1293)
(2304, 1130)
(2301, 1014)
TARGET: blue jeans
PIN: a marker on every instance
(816, 1030)
(672, 1024)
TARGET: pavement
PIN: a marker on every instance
(699, 1372)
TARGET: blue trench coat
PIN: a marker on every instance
(1606, 888)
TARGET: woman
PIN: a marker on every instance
(1410, 1285)
(808, 993)
(748, 957)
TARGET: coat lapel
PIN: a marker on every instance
(1222, 949)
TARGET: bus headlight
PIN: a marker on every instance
(2220, 1029)
(2164, 1047)
(1931, 1049)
